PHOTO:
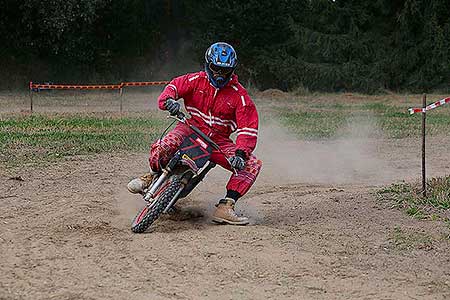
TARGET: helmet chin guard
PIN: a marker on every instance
(220, 62)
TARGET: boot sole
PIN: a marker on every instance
(223, 221)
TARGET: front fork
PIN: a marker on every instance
(152, 191)
(163, 177)
(184, 181)
(188, 183)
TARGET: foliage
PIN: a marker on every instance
(366, 46)
(86, 40)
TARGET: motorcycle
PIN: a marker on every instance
(184, 171)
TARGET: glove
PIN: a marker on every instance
(238, 161)
(172, 106)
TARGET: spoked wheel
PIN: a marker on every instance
(150, 212)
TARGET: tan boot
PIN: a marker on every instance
(225, 213)
(138, 185)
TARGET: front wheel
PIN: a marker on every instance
(150, 212)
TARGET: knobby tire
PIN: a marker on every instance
(152, 214)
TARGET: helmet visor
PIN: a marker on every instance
(218, 70)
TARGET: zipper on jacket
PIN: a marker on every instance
(209, 111)
(214, 100)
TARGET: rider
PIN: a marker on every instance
(219, 105)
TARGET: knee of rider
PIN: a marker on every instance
(160, 149)
(154, 146)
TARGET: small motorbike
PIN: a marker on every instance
(184, 171)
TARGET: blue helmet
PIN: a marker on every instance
(220, 62)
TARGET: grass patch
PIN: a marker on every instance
(402, 240)
(408, 196)
(38, 138)
(25, 139)
(313, 124)
(314, 121)
(335, 106)
(376, 107)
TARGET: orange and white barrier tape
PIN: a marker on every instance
(35, 86)
(47, 86)
(429, 107)
(145, 83)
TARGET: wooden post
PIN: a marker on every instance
(120, 93)
(31, 96)
(424, 117)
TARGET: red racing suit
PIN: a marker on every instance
(217, 113)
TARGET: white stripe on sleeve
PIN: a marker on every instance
(174, 88)
(247, 133)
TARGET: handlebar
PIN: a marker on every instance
(181, 117)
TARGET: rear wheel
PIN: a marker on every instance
(149, 213)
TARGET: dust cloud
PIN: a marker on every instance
(350, 157)
(127, 205)
(353, 156)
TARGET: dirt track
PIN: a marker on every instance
(321, 235)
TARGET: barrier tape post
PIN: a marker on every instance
(424, 117)
(120, 95)
(423, 110)
(31, 96)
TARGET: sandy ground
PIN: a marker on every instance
(317, 232)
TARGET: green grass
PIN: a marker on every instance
(403, 240)
(39, 138)
(409, 197)
(47, 137)
(327, 120)
(312, 124)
